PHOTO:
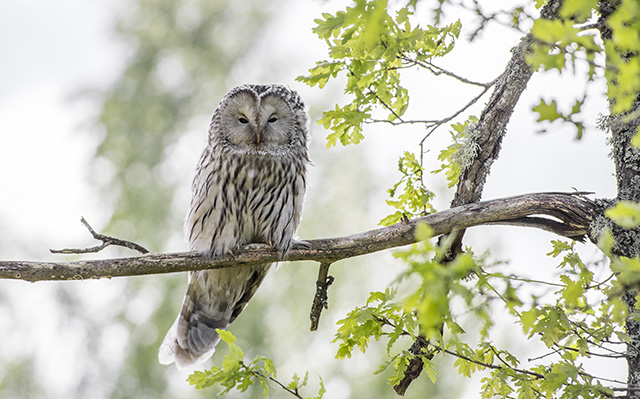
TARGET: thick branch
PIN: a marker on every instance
(627, 163)
(572, 211)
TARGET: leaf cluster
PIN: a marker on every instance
(409, 195)
(371, 47)
(572, 38)
(235, 373)
(580, 323)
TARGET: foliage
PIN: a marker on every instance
(371, 47)
(573, 327)
(549, 112)
(563, 43)
(413, 199)
(177, 66)
(235, 373)
(586, 315)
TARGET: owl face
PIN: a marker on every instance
(256, 118)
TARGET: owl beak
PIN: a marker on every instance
(258, 138)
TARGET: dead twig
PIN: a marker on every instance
(321, 297)
(106, 241)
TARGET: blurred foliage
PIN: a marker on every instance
(181, 54)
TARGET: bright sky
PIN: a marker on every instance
(49, 54)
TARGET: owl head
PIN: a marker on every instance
(260, 118)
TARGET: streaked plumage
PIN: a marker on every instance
(248, 188)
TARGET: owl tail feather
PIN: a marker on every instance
(214, 299)
(200, 344)
(192, 337)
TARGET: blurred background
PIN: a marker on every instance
(104, 110)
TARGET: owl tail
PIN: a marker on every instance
(214, 299)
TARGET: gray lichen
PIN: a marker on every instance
(469, 147)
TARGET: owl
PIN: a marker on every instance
(248, 188)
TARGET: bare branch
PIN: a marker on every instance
(106, 241)
(572, 211)
(436, 70)
(321, 297)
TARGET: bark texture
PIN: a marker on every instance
(626, 159)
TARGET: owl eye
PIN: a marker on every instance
(272, 119)
(243, 120)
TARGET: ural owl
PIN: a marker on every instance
(248, 188)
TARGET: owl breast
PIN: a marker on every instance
(249, 198)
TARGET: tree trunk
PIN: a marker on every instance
(627, 165)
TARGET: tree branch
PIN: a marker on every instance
(573, 214)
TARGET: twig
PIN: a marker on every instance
(320, 299)
(422, 342)
(106, 241)
(387, 106)
(436, 70)
(281, 385)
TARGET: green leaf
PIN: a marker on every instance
(528, 319)
(635, 141)
(572, 292)
(226, 336)
(547, 112)
(625, 214)
(540, 3)
(578, 10)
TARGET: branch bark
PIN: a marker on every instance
(627, 164)
(565, 214)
